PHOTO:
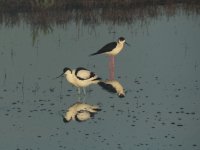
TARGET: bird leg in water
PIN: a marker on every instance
(79, 91)
(79, 98)
(81, 94)
(84, 91)
(83, 99)
(111, 67)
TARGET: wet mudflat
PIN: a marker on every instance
(159, 71)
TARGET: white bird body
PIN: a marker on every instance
(117, 49)
(71, 78)
(112, 48)
(81, 78)
(80, 111)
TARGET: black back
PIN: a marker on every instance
(92, 74)
(107, 48)
(78, 69)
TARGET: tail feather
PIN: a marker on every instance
(97, 109)
(97, 79)
(94, 54)
(98, 52)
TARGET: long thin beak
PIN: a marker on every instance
(58, 76)
(127, 44)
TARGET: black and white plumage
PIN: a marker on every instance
(80, 77)
(80, 112)
(112, 48)
(113, 86)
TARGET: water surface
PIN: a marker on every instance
(160, 72)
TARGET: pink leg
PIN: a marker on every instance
(111, 67)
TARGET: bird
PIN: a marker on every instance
(112, 48)
(80, 78)
(80, 112)
(113, 86)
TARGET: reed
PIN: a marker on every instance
(43, 15)
(44, 5)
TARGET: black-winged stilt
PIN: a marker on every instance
(112, 49)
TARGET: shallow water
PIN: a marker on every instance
(160, 72)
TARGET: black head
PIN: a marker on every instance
(121, 39)
(65, 120)
(121, 95)
(65, 69)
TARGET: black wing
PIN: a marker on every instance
(107, 48)
(87, 73)
(78, 69)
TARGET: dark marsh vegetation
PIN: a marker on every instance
(43, 15)
(41, 5)
(58, 12)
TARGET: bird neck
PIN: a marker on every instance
(121, 42)
(68, 72)
(69, 76)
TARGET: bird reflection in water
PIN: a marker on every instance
(113, 86)
(80, 112)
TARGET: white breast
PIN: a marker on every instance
(71, 79)
(115, 51)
